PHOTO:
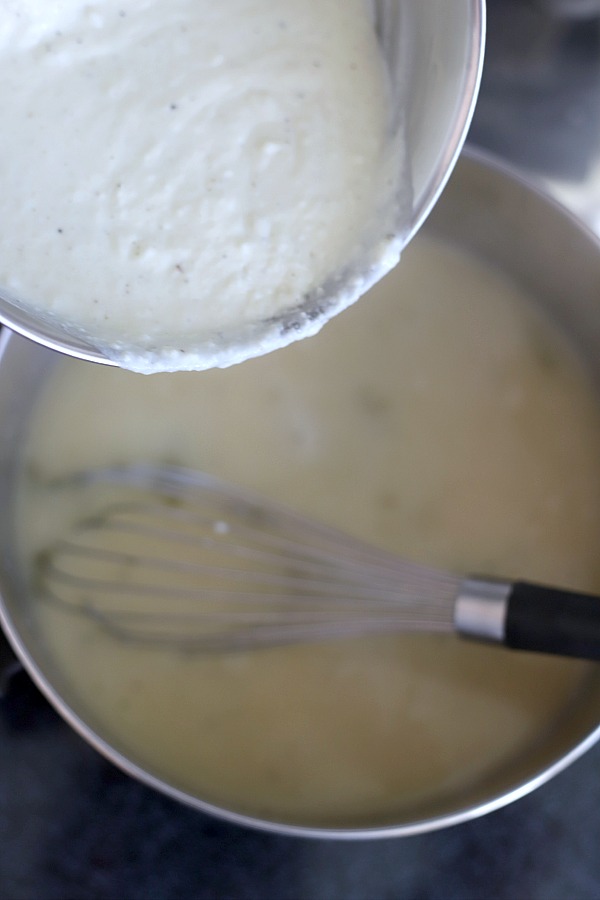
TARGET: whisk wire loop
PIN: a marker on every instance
(186, 560)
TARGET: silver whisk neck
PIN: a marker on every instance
(481, 608)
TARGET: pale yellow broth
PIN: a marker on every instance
(442, 418)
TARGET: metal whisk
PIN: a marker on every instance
(173, 556)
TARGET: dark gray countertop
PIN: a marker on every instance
(72, 826)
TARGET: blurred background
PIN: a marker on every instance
(72, 826)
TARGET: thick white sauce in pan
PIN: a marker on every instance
(441, 418)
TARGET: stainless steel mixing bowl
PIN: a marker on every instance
(499, 217)
(436, 48)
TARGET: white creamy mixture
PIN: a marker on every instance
(173, 174)
(442, 419)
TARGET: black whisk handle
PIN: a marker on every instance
(551, 620)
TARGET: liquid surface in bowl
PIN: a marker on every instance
(442, 418)
(176, 174)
